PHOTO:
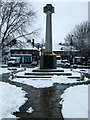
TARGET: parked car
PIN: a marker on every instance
(34, 63)
(88, 61)
(3, 62)
(63, 63)
(59, 63)
(79, 60)
(66, 63)
(74, 65)
(14, 61)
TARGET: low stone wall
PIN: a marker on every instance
(87, 75)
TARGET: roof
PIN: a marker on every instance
(43, 47)
(25, 46)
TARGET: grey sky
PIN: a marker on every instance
(66, 16)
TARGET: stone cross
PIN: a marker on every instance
(48, 9)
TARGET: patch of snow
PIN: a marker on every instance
(28, 70)
(12, 97)
(75, 102)
(30, 110)
(63, 79)
(15, 68)
(4, 70)
(37, 83)
(75, 73)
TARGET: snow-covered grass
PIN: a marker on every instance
(12, 98)
(75, 102)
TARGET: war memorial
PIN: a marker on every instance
(48, 60)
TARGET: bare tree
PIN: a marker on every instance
(77, 37)
(16, 21)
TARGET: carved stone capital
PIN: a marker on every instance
(48, 8)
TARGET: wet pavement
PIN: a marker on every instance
(45, 102)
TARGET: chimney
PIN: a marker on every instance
(33, 43)
(38, 46)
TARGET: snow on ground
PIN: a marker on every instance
(75, 102)
(4, 70)
(27, 70)
(12, 98)
(37, 83)
(75, 99)
(63, 79)
(30, 110)
(42, 82)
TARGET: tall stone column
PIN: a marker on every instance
(48, 60)
(48, 9)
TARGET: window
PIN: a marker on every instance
(12, 52)
(24, 52)
(18, 52)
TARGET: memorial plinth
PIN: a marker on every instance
(48, 59)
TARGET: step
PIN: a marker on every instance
(48, 73)
(31, 76)
(47, 70)
(73, 77)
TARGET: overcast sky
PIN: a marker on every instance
(66, 16)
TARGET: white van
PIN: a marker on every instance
(14, 61)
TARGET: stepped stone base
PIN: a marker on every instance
(48, 61)
(44, 73)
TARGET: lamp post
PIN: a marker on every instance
(71, 56)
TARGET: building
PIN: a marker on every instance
(62, 51)
(65, 52)
(28, 52)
